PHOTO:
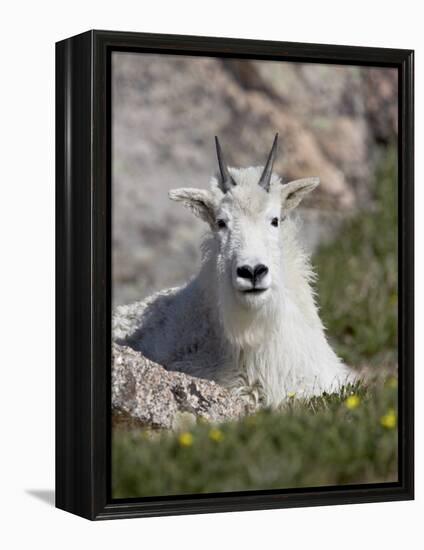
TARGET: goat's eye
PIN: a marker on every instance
(221, 224)
(274, 222)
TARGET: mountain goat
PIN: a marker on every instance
(248, 320)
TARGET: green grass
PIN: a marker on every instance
(357, 285)
(309, 443)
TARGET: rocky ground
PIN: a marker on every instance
(145, 395)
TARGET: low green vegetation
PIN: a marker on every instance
(331, 440)
(346, 438)
(357, 285)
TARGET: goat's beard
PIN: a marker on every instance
(247, 320)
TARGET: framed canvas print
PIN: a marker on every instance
(234, 274)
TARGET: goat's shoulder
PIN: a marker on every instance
(166, 325)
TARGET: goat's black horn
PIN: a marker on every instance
(265, 180)
(227, 180)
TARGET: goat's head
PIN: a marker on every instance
(245, 209)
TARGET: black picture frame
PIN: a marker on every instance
(83, 273)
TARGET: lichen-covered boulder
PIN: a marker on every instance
(144, 394)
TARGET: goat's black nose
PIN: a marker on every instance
(259, 272)
(254, 274)
(245, 272)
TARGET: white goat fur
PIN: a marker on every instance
(269, 346)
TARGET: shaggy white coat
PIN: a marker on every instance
(266, 348)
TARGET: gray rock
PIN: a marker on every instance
(146, 395)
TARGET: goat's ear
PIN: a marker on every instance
(199, 201)
(292, 193)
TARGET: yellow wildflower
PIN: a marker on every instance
(291, 394)
(352, 402)
(185, 439)
(389, 420)
(216, 435)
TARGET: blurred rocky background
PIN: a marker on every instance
(333, 122)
